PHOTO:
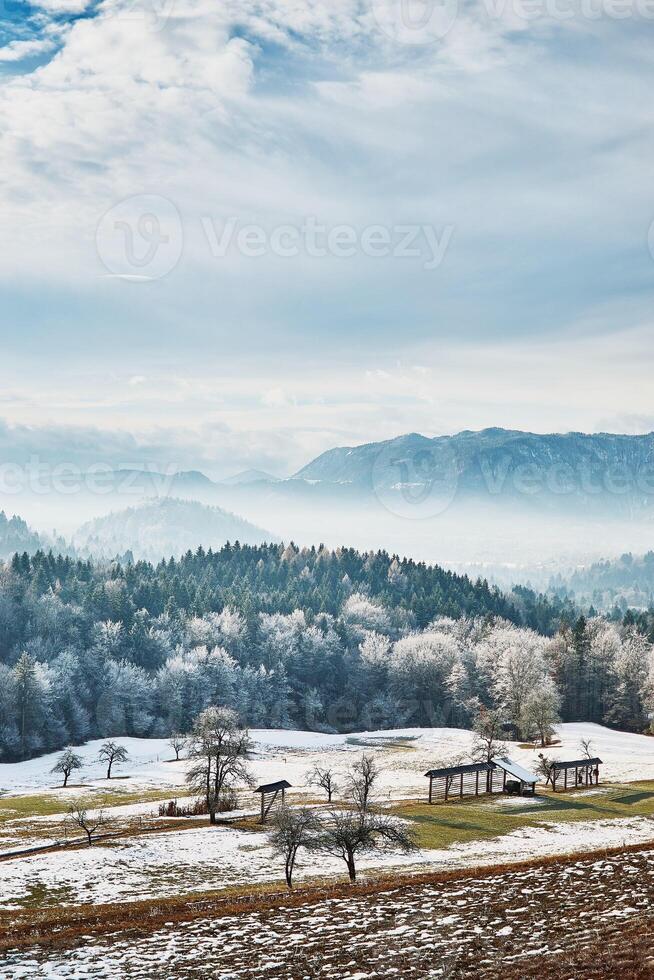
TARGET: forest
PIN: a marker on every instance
(290, 637)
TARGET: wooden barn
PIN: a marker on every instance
(272, 795)
(479, 778)
(578, 774)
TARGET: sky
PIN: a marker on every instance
(237, 234)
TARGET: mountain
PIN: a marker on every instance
(165, 527)
(573, 472)
(153, 483)
(249, 476)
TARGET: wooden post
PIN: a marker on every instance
(431, 783)
(447, 786)
(504, 781)
(263, 815)
(565, 779)
(461, 789)
(477, 783)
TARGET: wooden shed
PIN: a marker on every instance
(515, 778)
(477, 778)
(272, 794)
(454, 782)
(578, 774)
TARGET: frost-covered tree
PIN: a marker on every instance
(218, 746)
(541, 710)
(67, 763)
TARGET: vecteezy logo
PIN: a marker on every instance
(141, 238)
(416, 482)
(415, 21)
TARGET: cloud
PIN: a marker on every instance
(527, 138)
(17, 50)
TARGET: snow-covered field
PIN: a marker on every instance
(202, 858)
(291, 754)
(207, 858)
(515, 924)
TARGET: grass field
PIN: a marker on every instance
(50, 804)
(457, 823)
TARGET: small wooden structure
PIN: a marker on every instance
(458, 781)
(272, 794)
(477, 778)
(515, 778)
(578, 774)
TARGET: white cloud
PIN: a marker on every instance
(275, 110)
(17, 50)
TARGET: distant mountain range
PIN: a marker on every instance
(495, 497)
(614, 473)
(248, 477)
(165, 527)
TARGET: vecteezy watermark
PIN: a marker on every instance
(40, 477)
(421, 22)
(416, 482)
(316, 240)
(421, 481)
(155, 14)
(416, 22)
(141, 238)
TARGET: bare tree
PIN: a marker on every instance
(361, 781)
(348, 834)
(587, 747)
(488, 727)
(291, 830)
(178, 743)
(79, 816)
(544, 767)
(220, 747)
(112, 753)
(67, 762)
(325, 779)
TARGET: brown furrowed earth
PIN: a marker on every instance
(586, 916)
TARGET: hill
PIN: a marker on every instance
(16, 535)
(626, 582)
(165, 527)
(249, 476)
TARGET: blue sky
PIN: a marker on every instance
(514, 151)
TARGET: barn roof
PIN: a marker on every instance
(516, 770)
(460, 770)
(273, 787)
(577, 764)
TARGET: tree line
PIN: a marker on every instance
(313, 639)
